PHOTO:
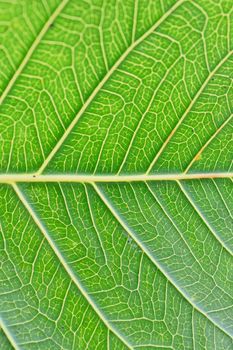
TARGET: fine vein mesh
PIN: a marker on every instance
(136, 87)
(133, 111)
(143, 304)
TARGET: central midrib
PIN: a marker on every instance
(17, 178)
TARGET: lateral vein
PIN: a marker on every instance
(8, 334)
(32, 49)
(204, 220)
(192, 103)
(152, 258)
(69, 271)
(103, 81)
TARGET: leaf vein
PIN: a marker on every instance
(103, 81)
(66, 267)
(32, 49)
(153, 259)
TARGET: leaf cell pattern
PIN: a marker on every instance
(116, 174)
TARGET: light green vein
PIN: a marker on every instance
(153, 259)
(69, 271)
(103, 81)
(8, 334)
(192, 103)
(32, 49)
(17, 178)
(198, 211)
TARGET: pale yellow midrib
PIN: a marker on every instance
(19, 178)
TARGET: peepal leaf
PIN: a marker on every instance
(116, 174)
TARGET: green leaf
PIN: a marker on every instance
(5, 344)
(116, 174)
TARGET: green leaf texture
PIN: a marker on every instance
(116, 195)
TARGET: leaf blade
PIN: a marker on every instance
(115, 174)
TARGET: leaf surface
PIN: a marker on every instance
(116, 175)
